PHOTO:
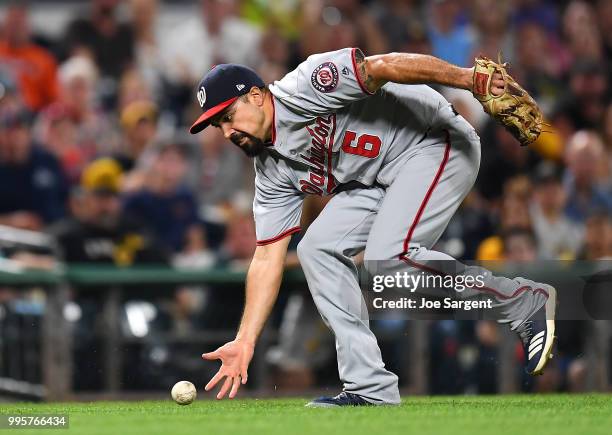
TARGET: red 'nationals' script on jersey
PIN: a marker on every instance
(318, 155)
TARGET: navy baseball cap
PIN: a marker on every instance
(220, 87)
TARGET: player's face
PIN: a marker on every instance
(242, 123)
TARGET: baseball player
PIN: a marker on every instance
(398, 161)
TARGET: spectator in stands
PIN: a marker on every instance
(240, 241)
(275, 54)
(132, 88)
(98, 231)
(218, 35)
(401, 21)
(9, 94)
(492, 30)
(519, 245)
(606, 132)
(337, 24)
(102, 36)
(557, 236)
(538, 73)
(584, 105)
(584, 155)
(543, 12)
(147, 37)
(139, 126)
(451, 38)
(597, 237)
(581, 32)
(79, 80)
(60, 138)
(167, 204)
(514, 215)
(604, 15)
(469, 226)
(74, 127)
(32, 67)
(33, 188)
(502, 159)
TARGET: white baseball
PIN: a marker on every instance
(184, 392)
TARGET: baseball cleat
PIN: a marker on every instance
(538, 335)
(342, 399)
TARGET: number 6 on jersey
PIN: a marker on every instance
(367, 146)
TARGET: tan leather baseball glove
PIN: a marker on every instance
(514, 108)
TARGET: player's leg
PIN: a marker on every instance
(417, 208)
(325, 253)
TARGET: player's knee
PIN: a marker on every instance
(301, 250)
(307, 248)
(315, 245)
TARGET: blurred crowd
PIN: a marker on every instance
(94, 146)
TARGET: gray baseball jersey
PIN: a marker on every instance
(329, 130)
(419, 159)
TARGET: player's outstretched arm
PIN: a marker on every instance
(411, 68)
(263, 282)
(500, 95)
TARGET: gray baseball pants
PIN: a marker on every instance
(403, 220)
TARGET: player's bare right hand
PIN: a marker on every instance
(498, 86)
(235, 358)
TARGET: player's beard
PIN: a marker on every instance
(251, 145)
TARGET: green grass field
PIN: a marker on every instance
(496, 415)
